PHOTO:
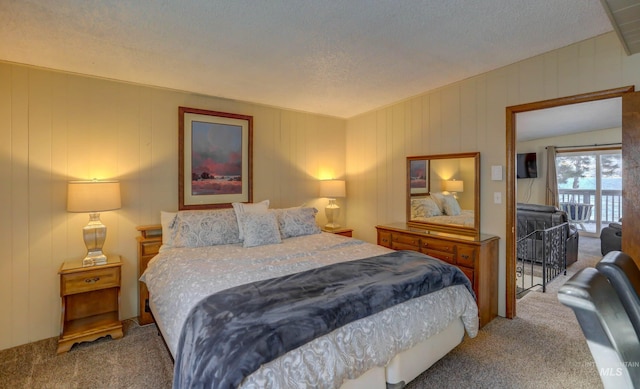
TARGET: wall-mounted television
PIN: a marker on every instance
(527, 165)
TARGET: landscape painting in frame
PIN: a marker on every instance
(419, 176)
(215, 159)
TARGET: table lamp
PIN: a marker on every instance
(332, 189)
(93, 197)
(454, 186)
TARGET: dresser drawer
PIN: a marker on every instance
(438, 245)
(447, 257)
(150, 248)
(466, 256)
(89, 280)
(470, 274)
(405, 240)
(384, 239)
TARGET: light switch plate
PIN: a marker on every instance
(497, 197)
(496, 173)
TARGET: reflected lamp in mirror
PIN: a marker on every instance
(93, 197)
(454, 187)
(332, 189)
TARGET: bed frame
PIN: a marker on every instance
(402, 369)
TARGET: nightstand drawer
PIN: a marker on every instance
(150, 248)
(94, 279)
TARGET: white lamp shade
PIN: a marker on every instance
(332, 188)
(454, 186)
(93, 196)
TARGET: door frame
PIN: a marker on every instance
(510, 233)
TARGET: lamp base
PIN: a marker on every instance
(333, 212)
(94, 258)
(94, 235)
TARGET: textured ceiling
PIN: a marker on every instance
(339, 58)
(569, 119)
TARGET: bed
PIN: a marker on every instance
(393, 345)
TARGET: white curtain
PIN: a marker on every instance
(551, 197)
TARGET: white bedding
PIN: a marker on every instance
(178, 278)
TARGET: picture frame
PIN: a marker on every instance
(419, 176)
(215, 159)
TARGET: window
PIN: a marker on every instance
(590, 187)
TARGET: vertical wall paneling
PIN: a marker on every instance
(18, 221)
(6, 258)
(41, 282)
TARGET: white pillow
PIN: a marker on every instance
(424, 207)
(207, 227)
(167, 220)
(260, 229)
(451, 206)
(242, 208)
(297, 221)
(439, 200)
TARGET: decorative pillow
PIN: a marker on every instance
(167, 220)
(260, 229)
(297, 221)
(451, 206)
(438, 198)
(242, 208)
(424, 207)
(206, 228)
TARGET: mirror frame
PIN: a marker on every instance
(462, 230)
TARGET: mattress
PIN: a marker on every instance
(180, 277)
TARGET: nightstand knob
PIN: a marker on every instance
(92, 280)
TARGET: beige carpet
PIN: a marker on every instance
(542, 348)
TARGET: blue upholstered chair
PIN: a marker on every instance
(612, 339)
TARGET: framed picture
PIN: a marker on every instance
(215, 159)
(419, 176)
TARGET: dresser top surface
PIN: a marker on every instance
(403, 227)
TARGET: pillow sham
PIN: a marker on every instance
(260, 229)
(424, 207)
(297, 221)
(438, 198)
(206, 228)
(168, 222)
(451, 206)
(242, 208)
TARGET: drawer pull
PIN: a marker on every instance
(92, 280)
(465, 256)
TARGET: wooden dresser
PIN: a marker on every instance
(149, 243)
(477, 258)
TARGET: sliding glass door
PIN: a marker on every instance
(590, 187)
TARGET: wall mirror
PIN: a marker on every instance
(443, 193)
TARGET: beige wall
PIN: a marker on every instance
(55, 127)
(468, 116)
(532, 190)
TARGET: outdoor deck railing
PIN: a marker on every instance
(611, 204)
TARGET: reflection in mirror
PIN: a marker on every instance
(443, 192)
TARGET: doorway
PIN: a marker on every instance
(511, 175)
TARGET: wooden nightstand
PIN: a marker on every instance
(339, 231)
(90, 302)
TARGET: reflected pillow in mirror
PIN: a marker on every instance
(450, 205)
(438, 198)
(424, 207)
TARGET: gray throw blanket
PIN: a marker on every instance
(230, 334)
